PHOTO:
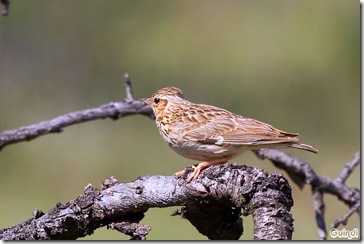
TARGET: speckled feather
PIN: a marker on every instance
(207, 133)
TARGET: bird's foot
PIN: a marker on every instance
(200, 167)
(195, 173)
(197, 169)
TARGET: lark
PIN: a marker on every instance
(210, 134)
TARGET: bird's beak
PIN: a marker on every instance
(147, 101)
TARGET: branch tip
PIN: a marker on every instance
(109, 182)
(348, 168)
(114, 110)
(128, 88)
(344, 219)
(5, 8)
(37, 213)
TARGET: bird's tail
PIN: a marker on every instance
(305, 147)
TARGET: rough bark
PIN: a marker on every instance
(213, 204)
(300, 172)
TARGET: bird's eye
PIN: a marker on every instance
(156, 100)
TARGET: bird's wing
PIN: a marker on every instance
(237, 130)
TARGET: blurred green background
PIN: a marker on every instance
(293, 64)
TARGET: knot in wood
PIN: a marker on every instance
(138, 190)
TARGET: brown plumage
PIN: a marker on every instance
(211, 134)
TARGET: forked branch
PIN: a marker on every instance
(299, 170)
(302, 173)
(113, 110)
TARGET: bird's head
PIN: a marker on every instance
(161, 98)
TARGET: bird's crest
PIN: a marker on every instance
(169, 91)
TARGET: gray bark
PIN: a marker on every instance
(213, 203)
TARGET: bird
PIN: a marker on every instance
(210, 134)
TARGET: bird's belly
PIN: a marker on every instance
(206, 152)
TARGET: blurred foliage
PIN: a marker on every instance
(293, 64)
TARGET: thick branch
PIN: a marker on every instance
(212, 204)
(274, 206)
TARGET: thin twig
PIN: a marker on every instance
(319, 207)
(128, 89)
(344, 219)
(348, 168)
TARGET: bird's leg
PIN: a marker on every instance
(201, 166)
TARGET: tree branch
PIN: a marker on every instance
(302, 173)
(212, 204)
(348, 168)
(299, 170)
(343, 220)
(319, 207)
(113, 110)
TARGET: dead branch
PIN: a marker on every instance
(113, 110)
(300, 171)
(348, 168)
(213, 204)
(343, 220)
